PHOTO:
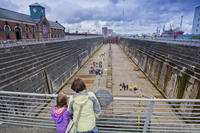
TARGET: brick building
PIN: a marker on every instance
(17, 26)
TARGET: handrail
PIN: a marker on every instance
(125, 114)
(191, 42)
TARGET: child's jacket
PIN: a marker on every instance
(61, 118)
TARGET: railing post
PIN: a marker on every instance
(148, 116)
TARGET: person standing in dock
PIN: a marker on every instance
(131, 87)
(120, 87)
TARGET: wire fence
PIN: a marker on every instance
(125, 114)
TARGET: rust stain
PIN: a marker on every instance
(136, 69)
(158, 96)
(141, 77)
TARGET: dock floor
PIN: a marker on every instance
(122, 70)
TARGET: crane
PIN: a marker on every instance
(181, 23)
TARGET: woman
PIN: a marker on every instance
(91, 107)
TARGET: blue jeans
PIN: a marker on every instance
(94, 130)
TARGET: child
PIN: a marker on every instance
(60, 115)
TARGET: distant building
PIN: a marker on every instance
(17, 26)
(196, 21)
(110, 32)
(105, 31)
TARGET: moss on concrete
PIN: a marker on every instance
(159, 72)
(167, 77)
(146, 64)
(182, 84)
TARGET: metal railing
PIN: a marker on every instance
(12, 43)
(125, 115)
(192, 42)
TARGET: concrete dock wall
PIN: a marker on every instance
(43, 68)
(171, 80)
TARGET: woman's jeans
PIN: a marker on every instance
(94, 130)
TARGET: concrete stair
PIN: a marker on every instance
(19, 63)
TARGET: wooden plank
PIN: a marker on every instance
(88, 81)
(86, 76)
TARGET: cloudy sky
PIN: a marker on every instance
(123, 16)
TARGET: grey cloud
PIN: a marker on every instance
(8, 5)
(137, 14)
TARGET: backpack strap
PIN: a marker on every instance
(79, 113)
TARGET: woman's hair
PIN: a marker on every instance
(61, 100)
(78, 85)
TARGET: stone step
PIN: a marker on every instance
(27, 55)
(37, 58)
(30, 70)
(14, 51)
(18, 78)
(34, 63)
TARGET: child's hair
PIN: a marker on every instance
(61, 100)
(78, 85)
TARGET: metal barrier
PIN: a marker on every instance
(12, 43)
(125, 115)
(191, 42)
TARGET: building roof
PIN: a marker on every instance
(56, 25)
(36, 4)
(8, 14)
(37, 20)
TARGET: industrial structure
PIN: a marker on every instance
(167, 75)
(107, 32)
(172, 32)
(17, 26)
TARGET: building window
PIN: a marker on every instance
(197, 25)
(26, 31)
(18, 33)
(44, 30)
(196, 30)
(198, 19)
(7, 31)
(33, 33)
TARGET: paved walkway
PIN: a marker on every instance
(123, 70)
(93, 82)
